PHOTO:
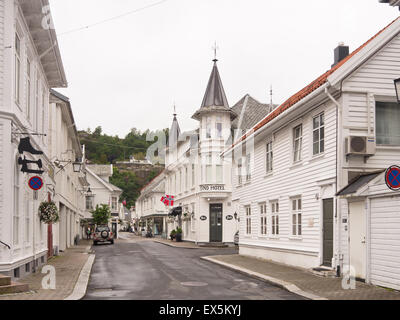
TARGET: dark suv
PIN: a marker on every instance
(103, 234)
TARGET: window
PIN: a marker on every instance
(37, 101)
(193, 175)
(16, 207)
(296, 217)
(275, 217)
(186, 178)
(387, 123)
(218, 127)
(297, 142)
(248, 167)
(269, 157)
(208, 128)
(263, 219)
(43, 113)
(248, 219)
(28, 88)
(240, 171)
(193, 221)
(114, 203)
(209, 169)
(89, 202)
(17, 84)
(180, 180)
(318, 134)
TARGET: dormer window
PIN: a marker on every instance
(208, 128)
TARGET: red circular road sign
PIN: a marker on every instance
(392, 178)
(35, 183)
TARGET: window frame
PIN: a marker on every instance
(296, 218)
(320, 128)
(17, 68)
(263, 219)
(383, 100)
(248, 167)
(269, 157)
(247, 211)
(239, 171)
(297, 144)
(275, 209)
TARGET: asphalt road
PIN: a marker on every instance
(140, 269)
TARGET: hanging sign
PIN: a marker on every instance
(203, 218)
(229, 217)
(392, 178)
(26, 146)
(35, 183)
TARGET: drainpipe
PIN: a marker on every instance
(339, 112)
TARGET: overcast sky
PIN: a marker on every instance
(128, 72)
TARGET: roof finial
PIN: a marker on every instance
(175, 110)
(271, 95)
(215, 48)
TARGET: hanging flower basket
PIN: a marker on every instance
(48, 212)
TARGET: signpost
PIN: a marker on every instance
(392, 178)
(35, 183)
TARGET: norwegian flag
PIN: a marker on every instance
(168, 200)
(124, 202)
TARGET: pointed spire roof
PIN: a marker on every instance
(215, 97)
(215, 94)
(174, 132)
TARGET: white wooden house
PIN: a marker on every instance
(30, 64)
(342, 125)
(196, 175)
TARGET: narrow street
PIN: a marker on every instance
(141, 269)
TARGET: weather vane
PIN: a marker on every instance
(215, 49)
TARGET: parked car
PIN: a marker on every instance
(103, 234)
(236, 238)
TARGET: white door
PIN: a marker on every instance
(357, 238)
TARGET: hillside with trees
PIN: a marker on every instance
(105, 149)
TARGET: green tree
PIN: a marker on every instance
(102, 214)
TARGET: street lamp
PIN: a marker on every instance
(397, 87)
(89, 192)
(235, 215)
(77, 165)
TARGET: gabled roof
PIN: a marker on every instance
(45, 40)
(250, 112)
(310, 88)
(108, 185)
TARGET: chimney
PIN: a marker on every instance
(341, 52)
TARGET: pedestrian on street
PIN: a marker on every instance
(88, 233)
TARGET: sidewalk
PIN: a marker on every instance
(68, 266)
(301, 281)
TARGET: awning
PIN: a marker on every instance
(175, 212)
(357, 183)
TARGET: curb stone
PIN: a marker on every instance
(83, 280)
(278, 282)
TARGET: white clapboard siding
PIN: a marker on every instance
(376, 77)
(2, 12)
(287, 181)
(385, 242)
(378, 73)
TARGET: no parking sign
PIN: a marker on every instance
(392, 178)
(35, 183)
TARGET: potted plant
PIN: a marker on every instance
(48, 212)
(178, 234)
(173, 235)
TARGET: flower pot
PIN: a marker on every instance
(178, 237)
